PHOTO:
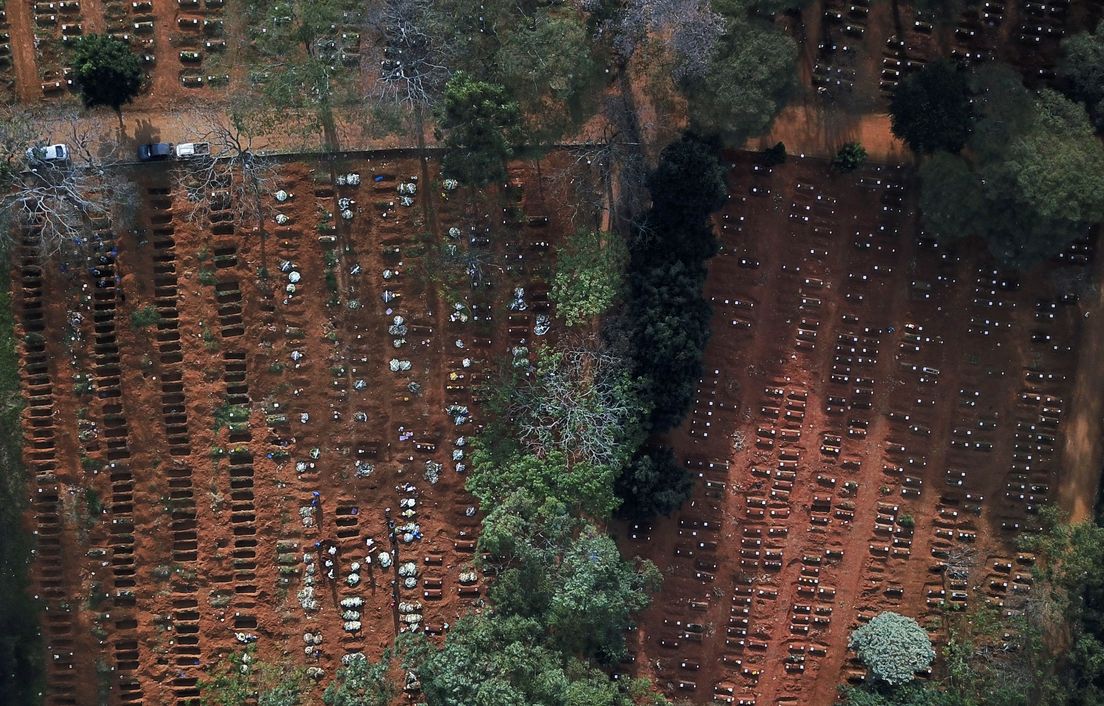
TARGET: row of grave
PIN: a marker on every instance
(784, 407)
(118, 555)
(201, 34)
(7, 65)
(974, 41)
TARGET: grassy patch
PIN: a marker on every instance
(230, 414)
(145, 317)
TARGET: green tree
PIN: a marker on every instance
(893, 646)
(1081, 68)
(994, 659)
(481, 125)
(106, 70)
(925, 694)
(687, 185)
(522, 540)
(850, 157)
(361, 683)
(1034, 179)
(588, 276)
(670, 329)
(563, 573)
(653, 484)
(1003, 109)
(747, 83)
(951, 198)
(581, 486)
(930, 110)
(491, 660)
(297, 54)
(549, 67)
(1058, 165)
(595, 595)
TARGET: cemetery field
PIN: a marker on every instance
(855, 54)
(879, 420)
(220, 429)
(183, 46)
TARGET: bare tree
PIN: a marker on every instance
(579, 402)
(691, 30)
(607, 173)
(66, 203)
(410, 71)
(231, 181)
(688, 30)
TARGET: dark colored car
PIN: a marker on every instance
(155, 151)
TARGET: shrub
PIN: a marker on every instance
(893, 646)
(850, 157)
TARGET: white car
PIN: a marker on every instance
(48, 153)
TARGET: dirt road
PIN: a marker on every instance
(1083, 450)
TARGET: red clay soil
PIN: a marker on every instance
(1083, 447)
(201, 534)
(814, 124)
(158, 34)
(826, 115)
(864, 440)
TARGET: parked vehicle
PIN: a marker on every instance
(48, 153)
(155, 151)
(193, 149)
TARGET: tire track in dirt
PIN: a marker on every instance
(23, 51)
(1084, 446)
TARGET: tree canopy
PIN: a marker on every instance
(671, 328)
(911, 694)
(893, 646)
(1033, 180)
(542, 55)
(582, 486)
(931, 110)
(501, 661)
(360, 682)
(653, 484)
(480, 122)
(596, 594)
(106, 70)
(747, 82)
(588, 276)
(1058, 164)
(1081, 68)
(687, 185)
(668, 317)
(548, 65)
(951, 199)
